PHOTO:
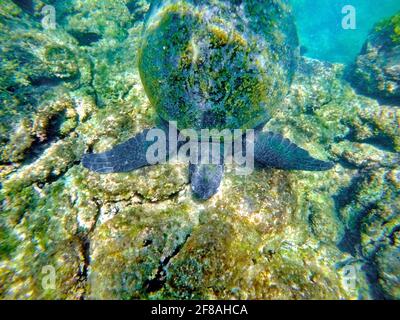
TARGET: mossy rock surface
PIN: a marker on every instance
(377, 69)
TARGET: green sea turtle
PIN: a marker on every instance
(219, 65)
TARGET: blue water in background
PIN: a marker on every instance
(320, 29)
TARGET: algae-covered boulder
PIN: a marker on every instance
(389, 267)
(377, 68)
(248, 245)
(218, 64)
(357, 205)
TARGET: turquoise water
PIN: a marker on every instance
(320, 26)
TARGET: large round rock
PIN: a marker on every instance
(218, 64)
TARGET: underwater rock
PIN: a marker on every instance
(61, 62)
(19, 143)
(43, 241)
(36, 66)
(363, 139)
(100, 22)
(363, 155)
(372, 220)
(377, 69)
(245, 245)
(388, 259)
(379, 126)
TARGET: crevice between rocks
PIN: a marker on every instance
(84, 240)
(160, 278)
(351, 240)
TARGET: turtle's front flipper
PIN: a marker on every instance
(205, 179)
(132, 154)
(273, 150)
(207, 172)
(124, 157)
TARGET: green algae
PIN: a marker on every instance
(374, 71)
(219, 252)
(390, 27)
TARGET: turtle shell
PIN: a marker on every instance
(218, 64)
